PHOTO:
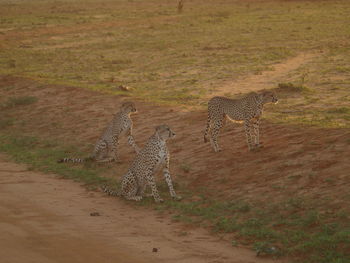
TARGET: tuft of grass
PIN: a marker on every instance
(339, 110)
(18, 101)
(185, 167)
(4, 123)
(290, 87)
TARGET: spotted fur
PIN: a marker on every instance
(148, 162)
(248, 110)
(106, 148)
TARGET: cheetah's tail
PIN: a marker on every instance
(207, 129)
(110, 191)
(75, 160)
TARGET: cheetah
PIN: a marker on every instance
(248, 110)
(106, 148)
(148, 162)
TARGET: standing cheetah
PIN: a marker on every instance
(106, 148)
(248, 109)
(148, 162)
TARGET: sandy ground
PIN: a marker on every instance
(46, 219)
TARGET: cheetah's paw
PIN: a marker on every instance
(177, 197)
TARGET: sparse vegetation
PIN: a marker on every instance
(18, 101)
(43, 156)
(4, 123)
(223, 42)
(292, 87)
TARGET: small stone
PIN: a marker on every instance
(124, 88)
(155, 249)
(94, 214)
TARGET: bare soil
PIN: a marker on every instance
(45, 219)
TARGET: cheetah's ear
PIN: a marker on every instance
(125, 104)
(161, 127)
(266, 93)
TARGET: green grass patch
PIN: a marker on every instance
(281, 229)
(43, 155)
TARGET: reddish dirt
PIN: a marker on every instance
(49, 31)
(44, 219)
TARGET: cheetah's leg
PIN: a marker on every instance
(256, 126)
(130, 187)
(101, 151)
(248, 132)
(207, 129)
(151, 182)
(144, 186)
(143, 190)
(106, 157)
(168, 180)
(113, 153)
(132, 142)
(216, 126)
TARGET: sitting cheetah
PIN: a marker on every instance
(148, 162)
(106, 148)
(248, 109)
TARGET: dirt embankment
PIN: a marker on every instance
(44, 219)
(296, 161)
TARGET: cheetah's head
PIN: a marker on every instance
(269, 97)
(129, 107)
(165, 132)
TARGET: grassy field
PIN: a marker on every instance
(182, 59)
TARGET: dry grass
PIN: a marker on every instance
(174, 58)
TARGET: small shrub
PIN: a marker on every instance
(186, 167)
(18, 101)
(340, 110)
(4, 123)
(292, 87)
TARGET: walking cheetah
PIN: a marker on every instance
(106, 148)
(148, 162)
(248, 110)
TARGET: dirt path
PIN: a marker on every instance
(45, 219)
(266, 79)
